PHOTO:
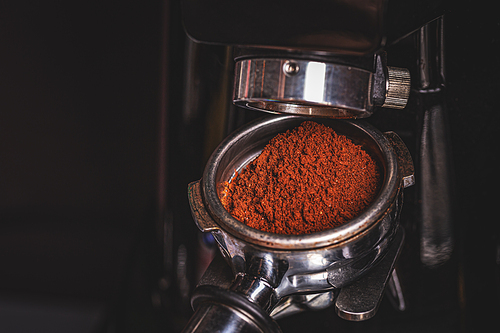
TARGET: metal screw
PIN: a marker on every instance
(290, 68)
(398, 88)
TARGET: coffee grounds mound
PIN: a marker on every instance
(306, 180)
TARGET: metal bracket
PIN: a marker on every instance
(201, 217)
(360, 300)
(405, 162)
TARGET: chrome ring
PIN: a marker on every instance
(303, 87)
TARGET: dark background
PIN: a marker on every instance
(79, 124)
(80, 106)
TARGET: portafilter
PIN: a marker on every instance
(274, 275)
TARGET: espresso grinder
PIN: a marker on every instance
(329, 61)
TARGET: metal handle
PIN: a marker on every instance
(222, 310)
(201, 217)
(405, 162)
(219, 309)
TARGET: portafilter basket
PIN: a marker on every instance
(269, 268)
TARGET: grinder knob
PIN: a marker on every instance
(397, 88)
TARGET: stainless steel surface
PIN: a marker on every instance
(309, 270)
(395, 292)
(314, 88)
(221, 306)
(342, 276)
(360, 300)
(220, 318)
(303, 87)
(357, 303)
(299, 303)
(256, 289)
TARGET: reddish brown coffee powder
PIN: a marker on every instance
(306, 180)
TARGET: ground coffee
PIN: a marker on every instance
(306, 180)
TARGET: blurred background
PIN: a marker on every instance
(97, 147)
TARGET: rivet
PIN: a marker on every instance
(290, 68)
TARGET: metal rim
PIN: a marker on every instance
(298, 108)
(303, 87)
(365, 220)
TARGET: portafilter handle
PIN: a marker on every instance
(218, 308)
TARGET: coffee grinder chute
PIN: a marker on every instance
(267, 276)
(320, 89)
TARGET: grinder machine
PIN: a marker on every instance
(329, 61)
